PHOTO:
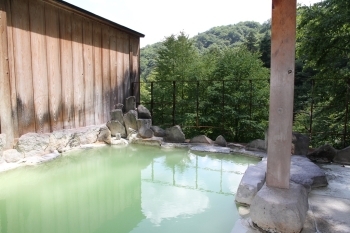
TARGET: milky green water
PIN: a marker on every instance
(127, 189)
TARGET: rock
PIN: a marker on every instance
(201, 139)
(343, 156)
(220, 141)
(158, 132)
(130, 120)
(256, 145)
(300, 144)
(88, 134)
(174, 134)
(66, 139)
(154, 141)
(117, 115)
(143, 112)
(130, 104)
(32, 144)
(303, 171)
(104, 135)
(323, 154)
(12, 156)
(145, 132)
(118, 136)
(59, 139)
(2, 142)
(212, 149)
(120, 141)
(116, 127)
(280, 210)
(252, 181)
(306, 173)
(119, 106)
(147, 123)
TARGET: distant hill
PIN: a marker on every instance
(249, 32)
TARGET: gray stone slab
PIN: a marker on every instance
(331, 214)
(213, 149)
(305, 172)
(252, 181)
(338, 181)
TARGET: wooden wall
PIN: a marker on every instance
(60, 68)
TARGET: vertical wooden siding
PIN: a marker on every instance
(65, 70)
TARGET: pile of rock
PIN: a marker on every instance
(268, 205)
(328, 154)
(300, 144)
(136, 123)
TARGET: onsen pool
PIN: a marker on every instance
(136, 189)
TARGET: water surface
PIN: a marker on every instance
(124, 189)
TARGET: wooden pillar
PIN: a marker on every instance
(5, 89)
(281, 93)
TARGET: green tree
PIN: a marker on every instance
(243, 89)
(251, 42)
(265, 49)
(323, 45)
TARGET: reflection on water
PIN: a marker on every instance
(129, 189)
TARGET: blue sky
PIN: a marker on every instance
(160, 18)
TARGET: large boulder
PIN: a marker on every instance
(130, 104)
(117, 115)
(12, 156)
(343, 156)
(323, 154)
(61, 140)
(145, 132)
(116, 127)
(130, 120)
(300, 143)
(256, 145)
(280, 210)
(220, 141)
(174, 134)
(33, 144)
(252, 181)
(66, 139)
(88, 134)
(306, 173)
(201, 139)
(143, 112)
(158, 132)
(104, 135)
(147, 123)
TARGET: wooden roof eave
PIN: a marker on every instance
(67, 6)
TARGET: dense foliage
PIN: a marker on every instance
(219, 78)
(323, 48)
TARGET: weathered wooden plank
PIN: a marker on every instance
(53, 66)
(281, 93)
(126, 67)
(98, 93)
(78, 70)
(120, 66)
(134, 67)
(12, 70)
(39, 66)
(113, 61)
(88, 73)
(106, 73)
(5, 88)
(23, 66)
(66, 69)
